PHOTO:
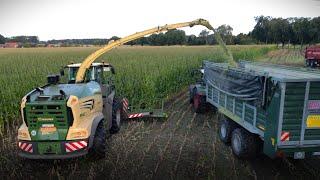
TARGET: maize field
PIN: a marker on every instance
(186, 145)
(143, 74)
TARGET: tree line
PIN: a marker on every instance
(290, 30)
(267, 30)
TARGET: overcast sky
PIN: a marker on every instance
(61, 19)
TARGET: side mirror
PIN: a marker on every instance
(61, 72)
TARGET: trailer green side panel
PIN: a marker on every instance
(296, 114)
(271, 128)
(314, 94)
(293, 110)
(246, 115)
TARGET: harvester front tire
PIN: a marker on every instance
(98, 149)
(244, 144)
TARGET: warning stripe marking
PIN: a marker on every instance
(25, 147)
(125, 107)
(135, 115)
(74, 146)
(285, 136)
(28, 147)
(83, 143)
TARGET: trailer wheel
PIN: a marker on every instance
(199, 103)
(244, 144)
(308, 63)
(226, 128)
(98, 149)
(116, 116)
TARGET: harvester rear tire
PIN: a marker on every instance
(244, 144)
(116, 116)
(98, 150)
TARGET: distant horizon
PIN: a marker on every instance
(150, 27)
(79, 19)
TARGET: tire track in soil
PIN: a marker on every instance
(153, 158)
(162, 152)
(128, 141)
(173, 154)
(137, 155)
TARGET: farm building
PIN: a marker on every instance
(53, 45)
(11, 45)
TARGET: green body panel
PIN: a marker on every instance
(293, 109)
(49, 148)
(234, 108)
(51, 115)
(314, 94)
(271, 131)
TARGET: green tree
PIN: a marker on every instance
(243, 39)
(226, 33)
(2, 39)
(300, 28)
(175, 37)
(280, 30)
(261, 29)
(204, 36)
(314, 30)
(157, 39)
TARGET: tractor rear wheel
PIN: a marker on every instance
(98, 149)
(116, 116)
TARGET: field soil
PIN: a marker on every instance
(184, 146)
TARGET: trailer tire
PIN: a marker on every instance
(226, 128)
(244, 144)
(98, 149)
(116, 116)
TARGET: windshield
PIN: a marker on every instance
(73, 73)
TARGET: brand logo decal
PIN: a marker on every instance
(87, 104)
(33, 132)
(45, 119)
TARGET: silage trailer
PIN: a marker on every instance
(262, 107)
